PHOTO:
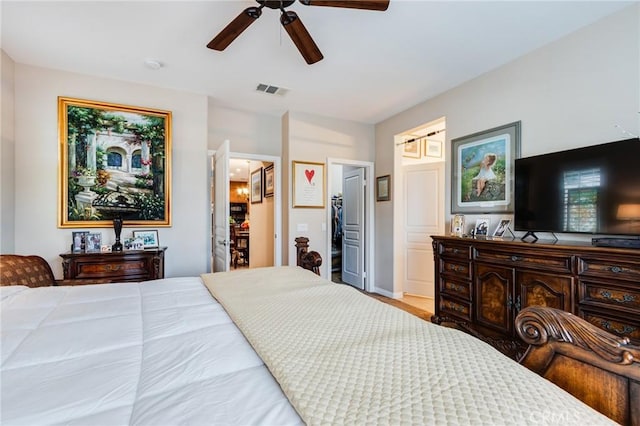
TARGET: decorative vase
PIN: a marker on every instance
(86, 182)
(117, 227)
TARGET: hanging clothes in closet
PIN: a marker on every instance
(336, 222)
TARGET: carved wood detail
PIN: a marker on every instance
(310, 260)
(538, 326)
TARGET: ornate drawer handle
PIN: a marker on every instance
(455, 307)
(511, 304)
(624, 330)
(456, 268)
(112, 267)
(625, 297)
(455, 287)
(616, 269)
(455, 251)
(515, 258)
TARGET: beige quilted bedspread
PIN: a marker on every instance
(342, 357)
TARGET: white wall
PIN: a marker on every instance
(261, 228)
(36, 164)
(569, 93)
(313, 138)
(247, 131)
(7, 154)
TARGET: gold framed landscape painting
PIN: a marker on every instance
(114, 162)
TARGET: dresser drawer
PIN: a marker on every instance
(620, 326)
(593, 292)
(452, 307)
(458, 289)
(460, 270)
(136, 268)
(546, 262)
(610, 269)
(456, 251)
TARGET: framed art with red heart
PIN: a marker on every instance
(308, 184)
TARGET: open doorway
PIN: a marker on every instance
(419, 211)
(253, 216)
(350, 219)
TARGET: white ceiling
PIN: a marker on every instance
(376, 64)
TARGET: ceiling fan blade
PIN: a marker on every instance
(301, 37)
(235, 28)
(350, 4)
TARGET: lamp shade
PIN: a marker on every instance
(628, 212)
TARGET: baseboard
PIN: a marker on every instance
(387, 293)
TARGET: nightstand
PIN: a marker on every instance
(131, 265)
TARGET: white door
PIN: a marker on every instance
(423, 217)
(222, 257)
(353, 227)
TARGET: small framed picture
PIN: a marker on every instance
(268, 181)
(457, 225)
(383, 188)
(93, 242)
(137, 243)
(256, 186)
(482, 226)
(308, 185)
(412, 148)
(79, 241)
(501, 228)
(432, 148)
(149, 239)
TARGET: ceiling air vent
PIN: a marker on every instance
(272, 90)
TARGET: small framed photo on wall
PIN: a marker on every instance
(383, 188)
(256, 186)
(412, 148)
(269, 182)
(432, 148)
(308, 184)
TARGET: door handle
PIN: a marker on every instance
(222, 242)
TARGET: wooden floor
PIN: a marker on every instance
(420, 313)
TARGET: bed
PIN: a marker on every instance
(275, 346)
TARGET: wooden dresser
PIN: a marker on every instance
(134, 265)
(482, 284)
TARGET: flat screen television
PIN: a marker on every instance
(594, 190)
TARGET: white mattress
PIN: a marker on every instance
(158, 353)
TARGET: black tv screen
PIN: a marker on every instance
(594, 190)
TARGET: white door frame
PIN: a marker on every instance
(277, 198)
(369, 237)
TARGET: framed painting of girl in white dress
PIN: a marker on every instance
(482, 170)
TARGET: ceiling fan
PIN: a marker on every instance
(290, 21)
